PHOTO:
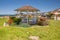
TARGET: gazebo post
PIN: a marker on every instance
(20, 13)
(17, 13)
(27, 17)
(36, 16)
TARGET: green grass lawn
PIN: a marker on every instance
(50, 32)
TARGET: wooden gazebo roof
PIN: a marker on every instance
(27, 8)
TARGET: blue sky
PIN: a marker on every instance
(8, 6)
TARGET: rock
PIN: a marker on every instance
(34, 37)
(5, 24)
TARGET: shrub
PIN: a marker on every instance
(16, 20)
(10, 21)
(42, 21)
(24, 25)
(12, 18)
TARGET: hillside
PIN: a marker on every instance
(50, 32)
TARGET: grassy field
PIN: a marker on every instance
(50, 32)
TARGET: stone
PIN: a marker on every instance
(5, 24)
(34, 37)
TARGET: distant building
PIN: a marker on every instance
(6, 16)
(1, 17)
(56, 14)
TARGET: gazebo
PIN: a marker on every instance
(29, 10)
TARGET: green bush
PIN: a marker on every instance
(12, 18)
(24, 25)
(16, 20)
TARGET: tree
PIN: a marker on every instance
(49, 15)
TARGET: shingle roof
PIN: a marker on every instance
(27, 8)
